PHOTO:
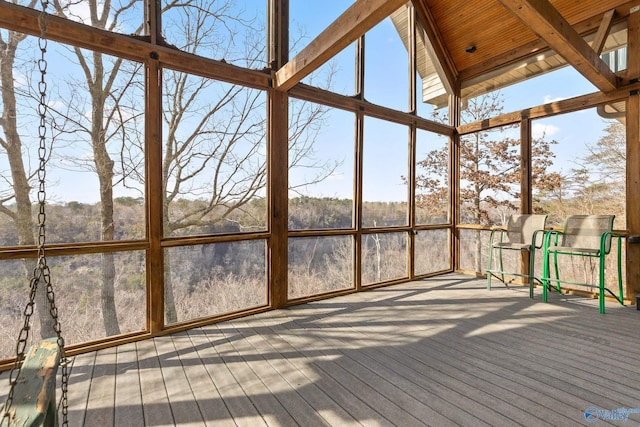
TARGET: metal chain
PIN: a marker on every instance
(41, 272)
(20, 348)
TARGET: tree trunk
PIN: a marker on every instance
(107, 297)
(12, 143)
(171, 314)
(104, 169)
(478, 251)
(478, 235)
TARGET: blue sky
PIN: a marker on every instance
(385, 148)
(386, 61)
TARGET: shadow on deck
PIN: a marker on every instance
(442, 351)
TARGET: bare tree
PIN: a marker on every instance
(215, 141)
(603, 172)
(15, 199)
(18, 186)
(609, 154)
(108, 119)
(215, 133)
(96, 112)
(489, 170)
(595, 183)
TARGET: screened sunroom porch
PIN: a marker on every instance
(193, 181)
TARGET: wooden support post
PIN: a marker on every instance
(278, 33)
(454, 183)
(153, 21)
(413, 64)
(359, 150)
(155, 196)
(358, 169)
(633, 158)
(412, 199)
(278, 159)
(526, 199)
(278, 198)
(412, 142)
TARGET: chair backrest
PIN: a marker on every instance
(585, 231)
(521, 227)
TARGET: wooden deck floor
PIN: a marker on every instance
(443, 351)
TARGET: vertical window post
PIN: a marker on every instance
(278, 157)
(633, 157)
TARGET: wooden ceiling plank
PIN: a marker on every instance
(545, 21)
(603, 31)
(436, 49)
(520, 53)
(353, 23)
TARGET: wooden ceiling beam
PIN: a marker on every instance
(353, 23)
(436, 48)
(136, 48)
(520, 53)
(545, 21)
(603, 31)
(564, 106)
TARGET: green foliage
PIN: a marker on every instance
(128, 201)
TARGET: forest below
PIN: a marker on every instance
(224, 277)
(207, 280)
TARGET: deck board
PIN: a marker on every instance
(298, 378)
(183, 405)
(310, 363)
(128, 399)
(80, 374)
(283, 380)
(206, 395)
(102, 390)
(389, 399)
(209, 345)
(261, 384)
(442, 351)
(155, 401)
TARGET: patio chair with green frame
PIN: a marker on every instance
(524, 233)
(582, 236)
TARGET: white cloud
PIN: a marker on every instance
(80, 12)
(336, 176)
(549, 98)
(20, 80)
(538, 130)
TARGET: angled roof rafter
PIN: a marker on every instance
(545, 21)
(348, 27)
(436, 48)
(603, 31)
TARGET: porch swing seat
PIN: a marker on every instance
(34, 399)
